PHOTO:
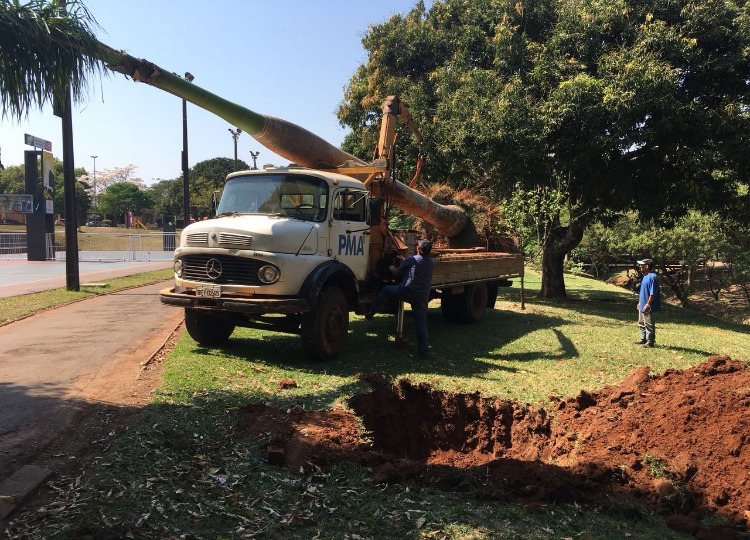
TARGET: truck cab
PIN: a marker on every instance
(281, 237)
(271, 229)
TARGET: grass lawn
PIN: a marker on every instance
(16, 307)
(184, 469)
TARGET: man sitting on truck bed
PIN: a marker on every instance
(416, 277)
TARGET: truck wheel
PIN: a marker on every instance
(324, 330)
(472, 304)
(207, 330)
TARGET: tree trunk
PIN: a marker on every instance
(559, 242)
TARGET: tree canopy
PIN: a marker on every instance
(618, 105)
(122, 197)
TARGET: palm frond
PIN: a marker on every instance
(45, 46)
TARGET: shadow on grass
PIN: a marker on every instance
(459, 349)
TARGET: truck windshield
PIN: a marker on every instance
(292, 195)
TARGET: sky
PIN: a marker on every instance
(290, 58)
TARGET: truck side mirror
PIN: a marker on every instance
(375, 211)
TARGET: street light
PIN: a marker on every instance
(96, 206)
(2, 167)
(235, 136)
(254, 155)
(185, 176)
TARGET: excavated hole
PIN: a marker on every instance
(591, 447)
(419, 423)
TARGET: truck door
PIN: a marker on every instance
(350, 235)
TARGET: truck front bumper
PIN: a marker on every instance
(257, 306)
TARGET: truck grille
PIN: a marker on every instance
(221, 269)
(195, 239)
(232, 239)
(225, 240)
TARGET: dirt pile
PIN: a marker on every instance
(679, 441)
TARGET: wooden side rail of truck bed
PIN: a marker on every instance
(461, 268)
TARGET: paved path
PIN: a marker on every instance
(70, 375)
(23, 277)
(60, 366)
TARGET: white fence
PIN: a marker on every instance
(96, 246)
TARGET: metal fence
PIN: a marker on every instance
(96, 246)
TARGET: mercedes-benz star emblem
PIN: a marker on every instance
(213, 269)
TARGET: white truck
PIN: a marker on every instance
(296, 249)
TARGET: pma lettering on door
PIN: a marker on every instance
(351, 245)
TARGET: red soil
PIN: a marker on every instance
(679, 441)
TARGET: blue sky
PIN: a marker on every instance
(289, 58)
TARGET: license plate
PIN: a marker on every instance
(208, 291)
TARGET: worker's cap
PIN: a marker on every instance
(647, 262)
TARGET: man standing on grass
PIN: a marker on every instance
(416, 276)
(649, 301)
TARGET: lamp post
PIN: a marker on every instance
(185, 175)
(96, 204)
(235, 136)
(254, 155)
(2, 167)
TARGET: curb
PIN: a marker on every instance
(19, 485)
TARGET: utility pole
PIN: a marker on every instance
(185, 173)
(72, 270)
(235, 136)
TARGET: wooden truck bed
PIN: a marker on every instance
(460, 267)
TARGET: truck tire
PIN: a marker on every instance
(324, 330)
(207, 330)
(471, 305)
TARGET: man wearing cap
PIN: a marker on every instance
(649, 301)
(416, 277)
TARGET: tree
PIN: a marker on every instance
(123, 197)
(216, 170)
(604, 107)
(204, 178)
(698, 246)
(12, 179)
(106, 177)
(167, 197)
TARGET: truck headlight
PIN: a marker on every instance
(269, 274)
(178, 267)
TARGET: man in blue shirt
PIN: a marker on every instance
(649, 301)
(416, 277)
